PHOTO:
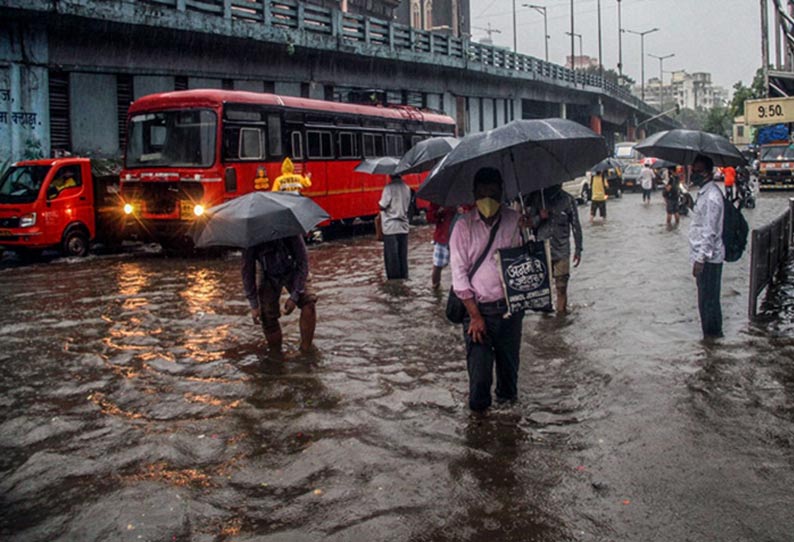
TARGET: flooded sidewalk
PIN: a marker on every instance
(138, 403)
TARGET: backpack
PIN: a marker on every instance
(734, 231)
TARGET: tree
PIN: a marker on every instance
(718, 121)
(742, 93)
(611, 76)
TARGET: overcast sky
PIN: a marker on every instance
(718, 36)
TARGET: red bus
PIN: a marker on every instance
(189, 150)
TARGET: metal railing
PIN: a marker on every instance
(769, 252)
(291, 15)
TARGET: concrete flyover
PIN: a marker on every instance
(69, 68)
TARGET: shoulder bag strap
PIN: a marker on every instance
(479, 261)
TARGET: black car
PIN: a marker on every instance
(631, 177)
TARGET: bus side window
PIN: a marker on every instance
(348, 145)
(394, 145)
(274, 135)
(373, 145)
(319, 144)
(252, 144)
(297, 145)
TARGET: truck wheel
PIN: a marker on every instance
(75, 243)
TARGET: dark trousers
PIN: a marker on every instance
(395, 255)
(709, 283)
(502, 345)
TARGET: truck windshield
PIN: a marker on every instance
(21, 184)
(184, 138)
(771, 154)
(626, 151)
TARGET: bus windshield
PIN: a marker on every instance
(184, 138)
(777, 153)
(21, 184)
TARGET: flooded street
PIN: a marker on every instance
(138, 404)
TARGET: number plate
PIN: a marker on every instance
(186, 210)
(6, 233)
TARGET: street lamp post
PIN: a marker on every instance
(620, 45)
(600, 50)
(573, 53)
(642, 54)
(515, 35)
(661, 60)
(580, 45)
(542, 11)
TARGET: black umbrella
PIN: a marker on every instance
(425, 154)
(378, 166)
(530, 154)
(662, 164)
(682, 146)
(605, 165)
(258, 217)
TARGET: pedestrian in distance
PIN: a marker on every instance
(442, 217)
(729, 174)
(672, 195)
(646, 182)
(553, 215)
(394, 204)
(706, 248)
(283, 264)
(492, 339)
(598, 196)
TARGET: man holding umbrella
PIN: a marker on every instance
(490, 337)
(706, 249)
(283, 264)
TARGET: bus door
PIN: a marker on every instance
(315, 162)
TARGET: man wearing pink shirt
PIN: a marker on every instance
(490, 337)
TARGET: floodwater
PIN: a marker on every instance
(138, 403)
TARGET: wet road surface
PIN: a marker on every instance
(138, 404)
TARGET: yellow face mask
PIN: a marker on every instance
(488, 207)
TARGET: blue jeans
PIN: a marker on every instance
(709, 283)
(501, 345)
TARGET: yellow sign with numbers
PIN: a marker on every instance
(769, 111)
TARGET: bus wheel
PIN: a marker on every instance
(75, 243)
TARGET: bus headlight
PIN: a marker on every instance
(128, 208)
(27, 221)
(198, 210)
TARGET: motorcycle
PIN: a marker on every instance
(744, 189)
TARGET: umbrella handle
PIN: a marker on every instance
(525, 231)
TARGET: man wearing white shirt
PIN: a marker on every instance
(706, 249)
(394, 203)
(646, 180)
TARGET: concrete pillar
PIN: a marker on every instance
(287, 89)
(487, 113)
(595, 123)
(251, 86)
(563, 111)
(474, 115)
(143, 85)
(434, 101)
(203, 82)
(631, 133)
(24, 100)
(94, 114)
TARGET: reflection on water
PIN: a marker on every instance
(139, 404)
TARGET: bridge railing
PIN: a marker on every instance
(769, 252)
(357, 29)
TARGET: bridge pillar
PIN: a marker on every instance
(595, 124)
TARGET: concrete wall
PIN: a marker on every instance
(94, 120)
(143, 85)
(24, 92)
(288, 89)
(203, 82)
(251, 86)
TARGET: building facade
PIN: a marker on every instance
(447, 16)
(689, 91)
